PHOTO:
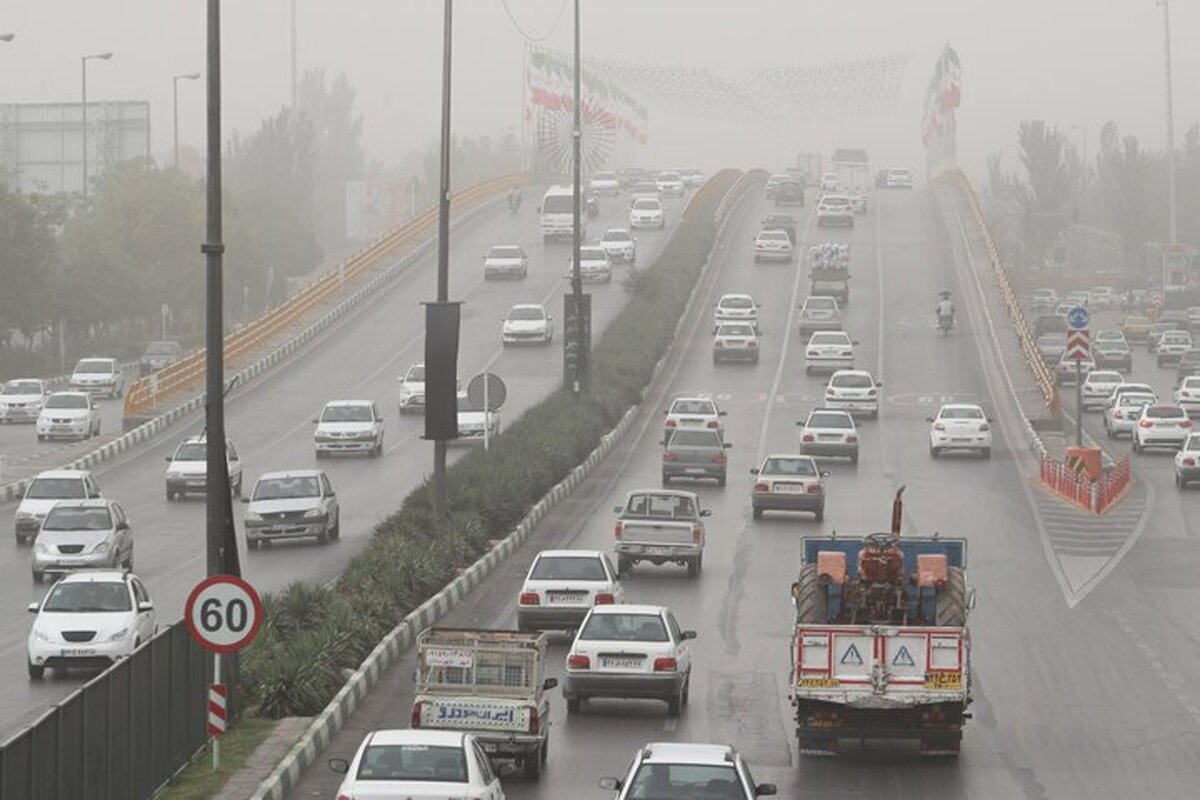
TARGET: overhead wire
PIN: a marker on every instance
(535, 39)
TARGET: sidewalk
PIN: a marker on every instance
(264, 758)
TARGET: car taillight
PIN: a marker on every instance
(697, 532)
(1189, 462)
(1145, 424)
(712, 423)
(937, 426)
(605, 599)
(345, 797)
(1118, 415)
(617, 529)
(984, 428)
(529, 599)
(717, 458)
(1187, 423)
(718, 343)
(812, 354)
(665, 664)
(578, 662)
(761, 487)
(852, 439)
(670, 457)
(751, 343)
(671, 423)
(415, 721)
(815, 488)
(535, 720)
(872, 392)
(808, 437)
(847, 352)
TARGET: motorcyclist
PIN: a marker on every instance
(945, 308)
(514, 199)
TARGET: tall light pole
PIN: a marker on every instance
(577, 342)
(175, 79)
(294, 89)
(83, 65)
(1166, 7)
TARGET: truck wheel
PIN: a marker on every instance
(574, 705)
(532, 762)
(812, 604)
(36, 672)
(695, 566)
(758, 512)
(252, 544)
(673, 705)
(624, 566)
(952, 600)
(819, 514)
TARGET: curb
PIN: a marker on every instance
(148, 430)
(324, 727)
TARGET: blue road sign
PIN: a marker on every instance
(1077, 318)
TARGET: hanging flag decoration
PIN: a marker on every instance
(938, 124)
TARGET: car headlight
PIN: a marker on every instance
(117, 636)
(101, 547)
(252, 516)
(405, 391)
(41, 635)
(174, 474)
(26, 515)
(43, 548)
(313, 513)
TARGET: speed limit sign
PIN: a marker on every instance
(223, 613)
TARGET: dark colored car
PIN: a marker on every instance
(158, 355)
(694, 453)
(1113, 354)
(789, 193)
(782, 222)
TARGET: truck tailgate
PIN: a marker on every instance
(474, 714)
(646, 532)
(881, 666)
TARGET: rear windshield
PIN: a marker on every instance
(830, 420)
(1165, 412)
(693, 407)
(413, 763)
(75, 518)
(735, 330)
(667, 506)
(851, 381)
(624, 628)
(829, 338)
(802, 467)
(670, 781)
(820, 304)
(55, 489)
(686, 437)
(568, 568)
(737, 302)
(961, 413)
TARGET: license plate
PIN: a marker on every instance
(819, 683)
(70, 562)
(943, 680)
(621, 663)
(694, 470)
(658, 551)
(566, 598)
(789, 488)
(828, 437)
(960, 439)
(77, 652)
(490, 747)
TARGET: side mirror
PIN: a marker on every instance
(971, 599)
(727, 445)
(339, 765)
(145, 605)
(611, 784)
(167, 459)
(539, 209)
(245, 498)
(878, 385)
(722, 413)
(854, 341)
(764, 789)
(754, 470)
(705, 512)
(549, 683)
(618, 509)
(122, 526)
(663, 442)
(32, 608)
(929, 419)
(795, 594)
(316, 421)
(687, 635)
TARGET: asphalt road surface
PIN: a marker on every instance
(270, 423)
(1094, 700)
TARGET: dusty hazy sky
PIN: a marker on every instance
(1072, 62)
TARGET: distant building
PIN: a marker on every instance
(41, 144)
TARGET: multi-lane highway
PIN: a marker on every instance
(1098, 700)
(270, 423)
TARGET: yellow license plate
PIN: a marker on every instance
(819, 683)
(943, 680)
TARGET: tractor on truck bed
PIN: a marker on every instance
(881, 649)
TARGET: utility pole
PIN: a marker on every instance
(83, 115)
(1172, 216)
(191, 76)
(443, 261)
(577, 318)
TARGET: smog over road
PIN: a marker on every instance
(833, 436)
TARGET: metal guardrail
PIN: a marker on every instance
(1046, 382)
(188, 373)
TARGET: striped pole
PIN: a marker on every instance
(217, 710)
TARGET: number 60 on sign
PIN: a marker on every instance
(223, 613)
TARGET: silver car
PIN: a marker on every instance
(694, 453)
(81, 534)
(296, 504)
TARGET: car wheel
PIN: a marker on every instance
(531, 764)
(624, 566)
(819, 514)
(36, 672)
(721, 481)
(666, 479)
(1137, 447)
(336, 531)
(237, 489)
(1179, 482)
(758, 512)
(673, 705)
(38, 577)
(986, 452)
(41, 438)
(574, 705)
(854, 457)
(323, 536)
(934, 452)
(252, 544)
(129, 560)
(170, 495)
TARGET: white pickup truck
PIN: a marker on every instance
(662, 527)
(487, 683)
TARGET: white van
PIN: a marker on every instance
(558, 216)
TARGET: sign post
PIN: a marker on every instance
(223, 613)
(487, 391)
(1078, 350)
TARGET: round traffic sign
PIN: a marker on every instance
(223, 613)
(1077, 317)
(496, 391)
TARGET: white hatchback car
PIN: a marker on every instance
(562, 585)
(1187, 395)
(686, 770)
(1098, 387)
(1187, 461)
(735, 341)
(788, 483)
(44, 492)
(629, 651)
(527, 323)
(412, 389)
(21, 400)
(82, 534)
(88, 620)
(829, 351)
(1161, 426)
(853, 390)
(774, 244)
(694, 412)
(98, 376)
(425, 764)
(647, 212)
(505, 261)
(68, 415)
(187, 469)
(736, 308)
(349, 426)
(960, 426)
(829, 432)
(1171, 346)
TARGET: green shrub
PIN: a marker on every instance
(313, 633)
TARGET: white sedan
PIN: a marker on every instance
(694, 412)
(853, 390)
(774, 245)
(1161, 426)
(429, 764)
(736, 308)
(829, 351)
(737, 341)
(1187, 461)
(412, 389)
(562, 585)
(1187, 395)
(527, 324)
(505, 261)
(788, 483)
(960, 426)
(1098, 387)
(349, 426)
(1122, 412)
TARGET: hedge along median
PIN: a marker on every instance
(312, 633)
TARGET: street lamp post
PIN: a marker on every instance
(83, 68)
(191, 76)
(1166, 7)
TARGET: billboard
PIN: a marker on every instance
(41, 144)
